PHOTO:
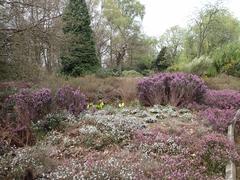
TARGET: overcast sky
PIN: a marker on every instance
(162, 14)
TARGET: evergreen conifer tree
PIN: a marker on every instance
(80, 56)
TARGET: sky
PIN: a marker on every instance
(163, 14)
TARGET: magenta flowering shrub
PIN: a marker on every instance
(222, 99)
(180, 89)
(64, 97)
(184, 154)
(171, 88)
(33, 104)
(41, 100)
(20, 110)
(72, 100)
(79, 103)
(216, 151)
(222, 106)
(220, 119)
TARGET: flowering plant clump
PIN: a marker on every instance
(222, 99)
(171, 88)
(31, 104)
(220, 119)
(21, 110)
(205, 153)
(42, 100)
(216, 151)
(64, 97)
(72, 100)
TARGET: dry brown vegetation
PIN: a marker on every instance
(114, 89)
(111, 89)
(223, 81)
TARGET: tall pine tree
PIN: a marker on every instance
(80, 56)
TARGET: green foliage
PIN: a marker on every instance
(163, 61)
(104, 73)
(227, 59)
(79, 57)
(49, 123)
(131, 73)
(203, 66)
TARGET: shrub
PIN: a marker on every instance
(33, 104)
(20, 111)
(227, 58)
(42, 100)
(171, 88)
(131, 73)
(50, 122)
(183, 154)
(222, 99)
(72, 100)
(216, 152)
(219, 119)
(64, 97)
(104, 73)
(199, 66)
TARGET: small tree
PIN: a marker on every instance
(162, 62)
(80, 56)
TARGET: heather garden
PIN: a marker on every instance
(173, 127)
(85, 93)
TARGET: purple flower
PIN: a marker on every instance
(72, 100)
(171, 88)
(220, 119)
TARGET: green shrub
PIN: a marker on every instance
(227, 59)
(131, 73)
(49, 123)
(203, 66)
(147, 72)
(103, 73)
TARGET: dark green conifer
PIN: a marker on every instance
(79, 57)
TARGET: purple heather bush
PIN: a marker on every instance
(183, 154)
(176, 89)
(64, 97)
(42, 100)
(21, 109)
(180, 89)
(216, 151)
(222, 99)
(72, 100)
(33, 104)
(220, 119)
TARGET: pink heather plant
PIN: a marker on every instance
(184, 154)
(25, 108)
(171, 88)
(32, 104)
(64, 97)
(220, 119)
(222, 99)
(216, 152)
(72, 100)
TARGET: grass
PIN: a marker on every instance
(223, 81)
(109, 89)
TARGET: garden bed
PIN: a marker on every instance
(124, 143)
